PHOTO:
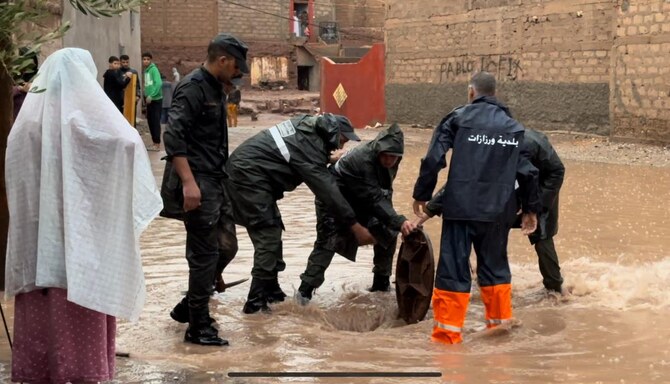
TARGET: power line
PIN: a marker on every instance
(281, 3)
(310, 24)
(315, 2)
(351, 5)
(292, 20)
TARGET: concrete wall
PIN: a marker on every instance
(551, 58)
(104, 36)
(641, 78)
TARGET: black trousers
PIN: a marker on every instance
(549, 266)
(211, 243)
(154, 110)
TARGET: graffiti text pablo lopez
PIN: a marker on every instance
(500, 66)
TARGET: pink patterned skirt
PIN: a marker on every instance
(56, 341)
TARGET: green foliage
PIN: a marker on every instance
(21, 23)
(13, 15)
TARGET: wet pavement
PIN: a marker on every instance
(614, 248)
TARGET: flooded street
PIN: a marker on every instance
(614, 248)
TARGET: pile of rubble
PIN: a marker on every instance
(284, 102)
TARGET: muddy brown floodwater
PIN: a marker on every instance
(614, 247)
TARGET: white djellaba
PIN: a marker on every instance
(80, 192)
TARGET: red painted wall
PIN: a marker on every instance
(363, 83)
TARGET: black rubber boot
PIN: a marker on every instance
(257, 299)
(180, 312)
(304, 294)
(200, 331)
(380, 284)
(274, 292)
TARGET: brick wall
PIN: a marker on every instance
(250, 24)
(177, 32)
(360, 13)
(179, 22)
(323, 10)
(551, 58)
(640, 100)
(268, 21)
(361, 22)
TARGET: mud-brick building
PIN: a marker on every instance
(600, 66)
(177, 33)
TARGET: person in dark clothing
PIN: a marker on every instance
(21, 89)
(546, 160)
(479, 205)
(115, 82)
(365, 177)
(19, 93)
(234, 99)
(271, 163)
(196, 141)
(125, 68)
(167, 99)
(551, 171)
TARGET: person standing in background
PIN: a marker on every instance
(234, 99)
(115, 81)
(125, 68)
(167, 99)
(153, 95)
(22, 88)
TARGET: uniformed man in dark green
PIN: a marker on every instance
(196, 142)
(365, 177)
(276, 161)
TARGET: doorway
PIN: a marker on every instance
(300, 17)
(303, 77)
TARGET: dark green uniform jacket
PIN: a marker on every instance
(197, 129)
(279, 159)
(366, 184)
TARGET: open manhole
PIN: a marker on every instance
(415, 275)
(362, 312)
